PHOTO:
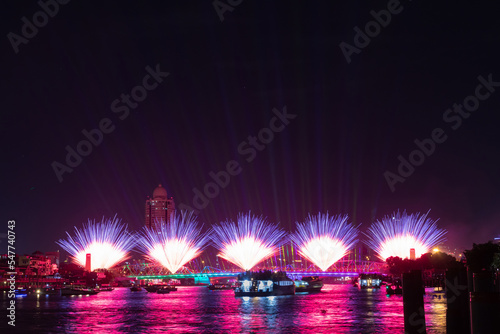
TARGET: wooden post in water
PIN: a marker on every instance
(413, 302)
(484, 304)
(457, 301)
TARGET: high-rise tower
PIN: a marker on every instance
(159, 208)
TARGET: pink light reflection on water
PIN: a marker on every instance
(338, 309)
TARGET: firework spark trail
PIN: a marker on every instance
(108, 242)
(175, 243)
(396, 234)
(249, 241)
(324, 239)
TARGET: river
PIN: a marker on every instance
(337, 309)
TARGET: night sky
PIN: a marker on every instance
(348, 122)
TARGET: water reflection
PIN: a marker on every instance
(339, 309)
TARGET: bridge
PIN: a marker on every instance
(340, 269)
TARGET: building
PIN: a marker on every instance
(53, 256)
(159, 208)
(36, 264)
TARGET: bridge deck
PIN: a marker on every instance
(292, 274)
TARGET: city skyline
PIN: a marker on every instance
(162, 201)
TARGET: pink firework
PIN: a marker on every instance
(324, 239)
(174, 243)
(108, 243)
(247, 242)
(396, 234)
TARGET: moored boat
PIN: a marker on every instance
(393, 289)
(220, 286)
(151, 288)
(49, 290)
(156, 287)
(21, 292)
(163, 290)
(77, 291)
(106, 287)
(135, 288)
(262, 284)
(309, 284)
(369, 281)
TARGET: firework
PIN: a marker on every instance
(174, 243)
(108, 242)
(247, 242)
(324, 239)
(395, 235)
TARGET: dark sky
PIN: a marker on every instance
(225, 78)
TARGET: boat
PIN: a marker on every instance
(151, 288)
(106, 287)
(369, 281)
(156, 287)
(393, 289)
(21, 292)
(220, 286)
(264, 283)
(77, 291)
(163, 290)
(309, 284)
(135, 288)
(49, 290)
(354, 282)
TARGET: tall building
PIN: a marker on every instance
(159, 208)
(53, 256)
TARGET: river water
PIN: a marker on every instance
(337, 309)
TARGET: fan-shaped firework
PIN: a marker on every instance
(395, 235)
(174, 243)
(108, 242)
(247, 242)
(324, 239)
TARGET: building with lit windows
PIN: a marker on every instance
(159, 208)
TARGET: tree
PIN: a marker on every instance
(442, 260)
(397, 265)
(482, 256)
(496, 261)
(438, 260)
